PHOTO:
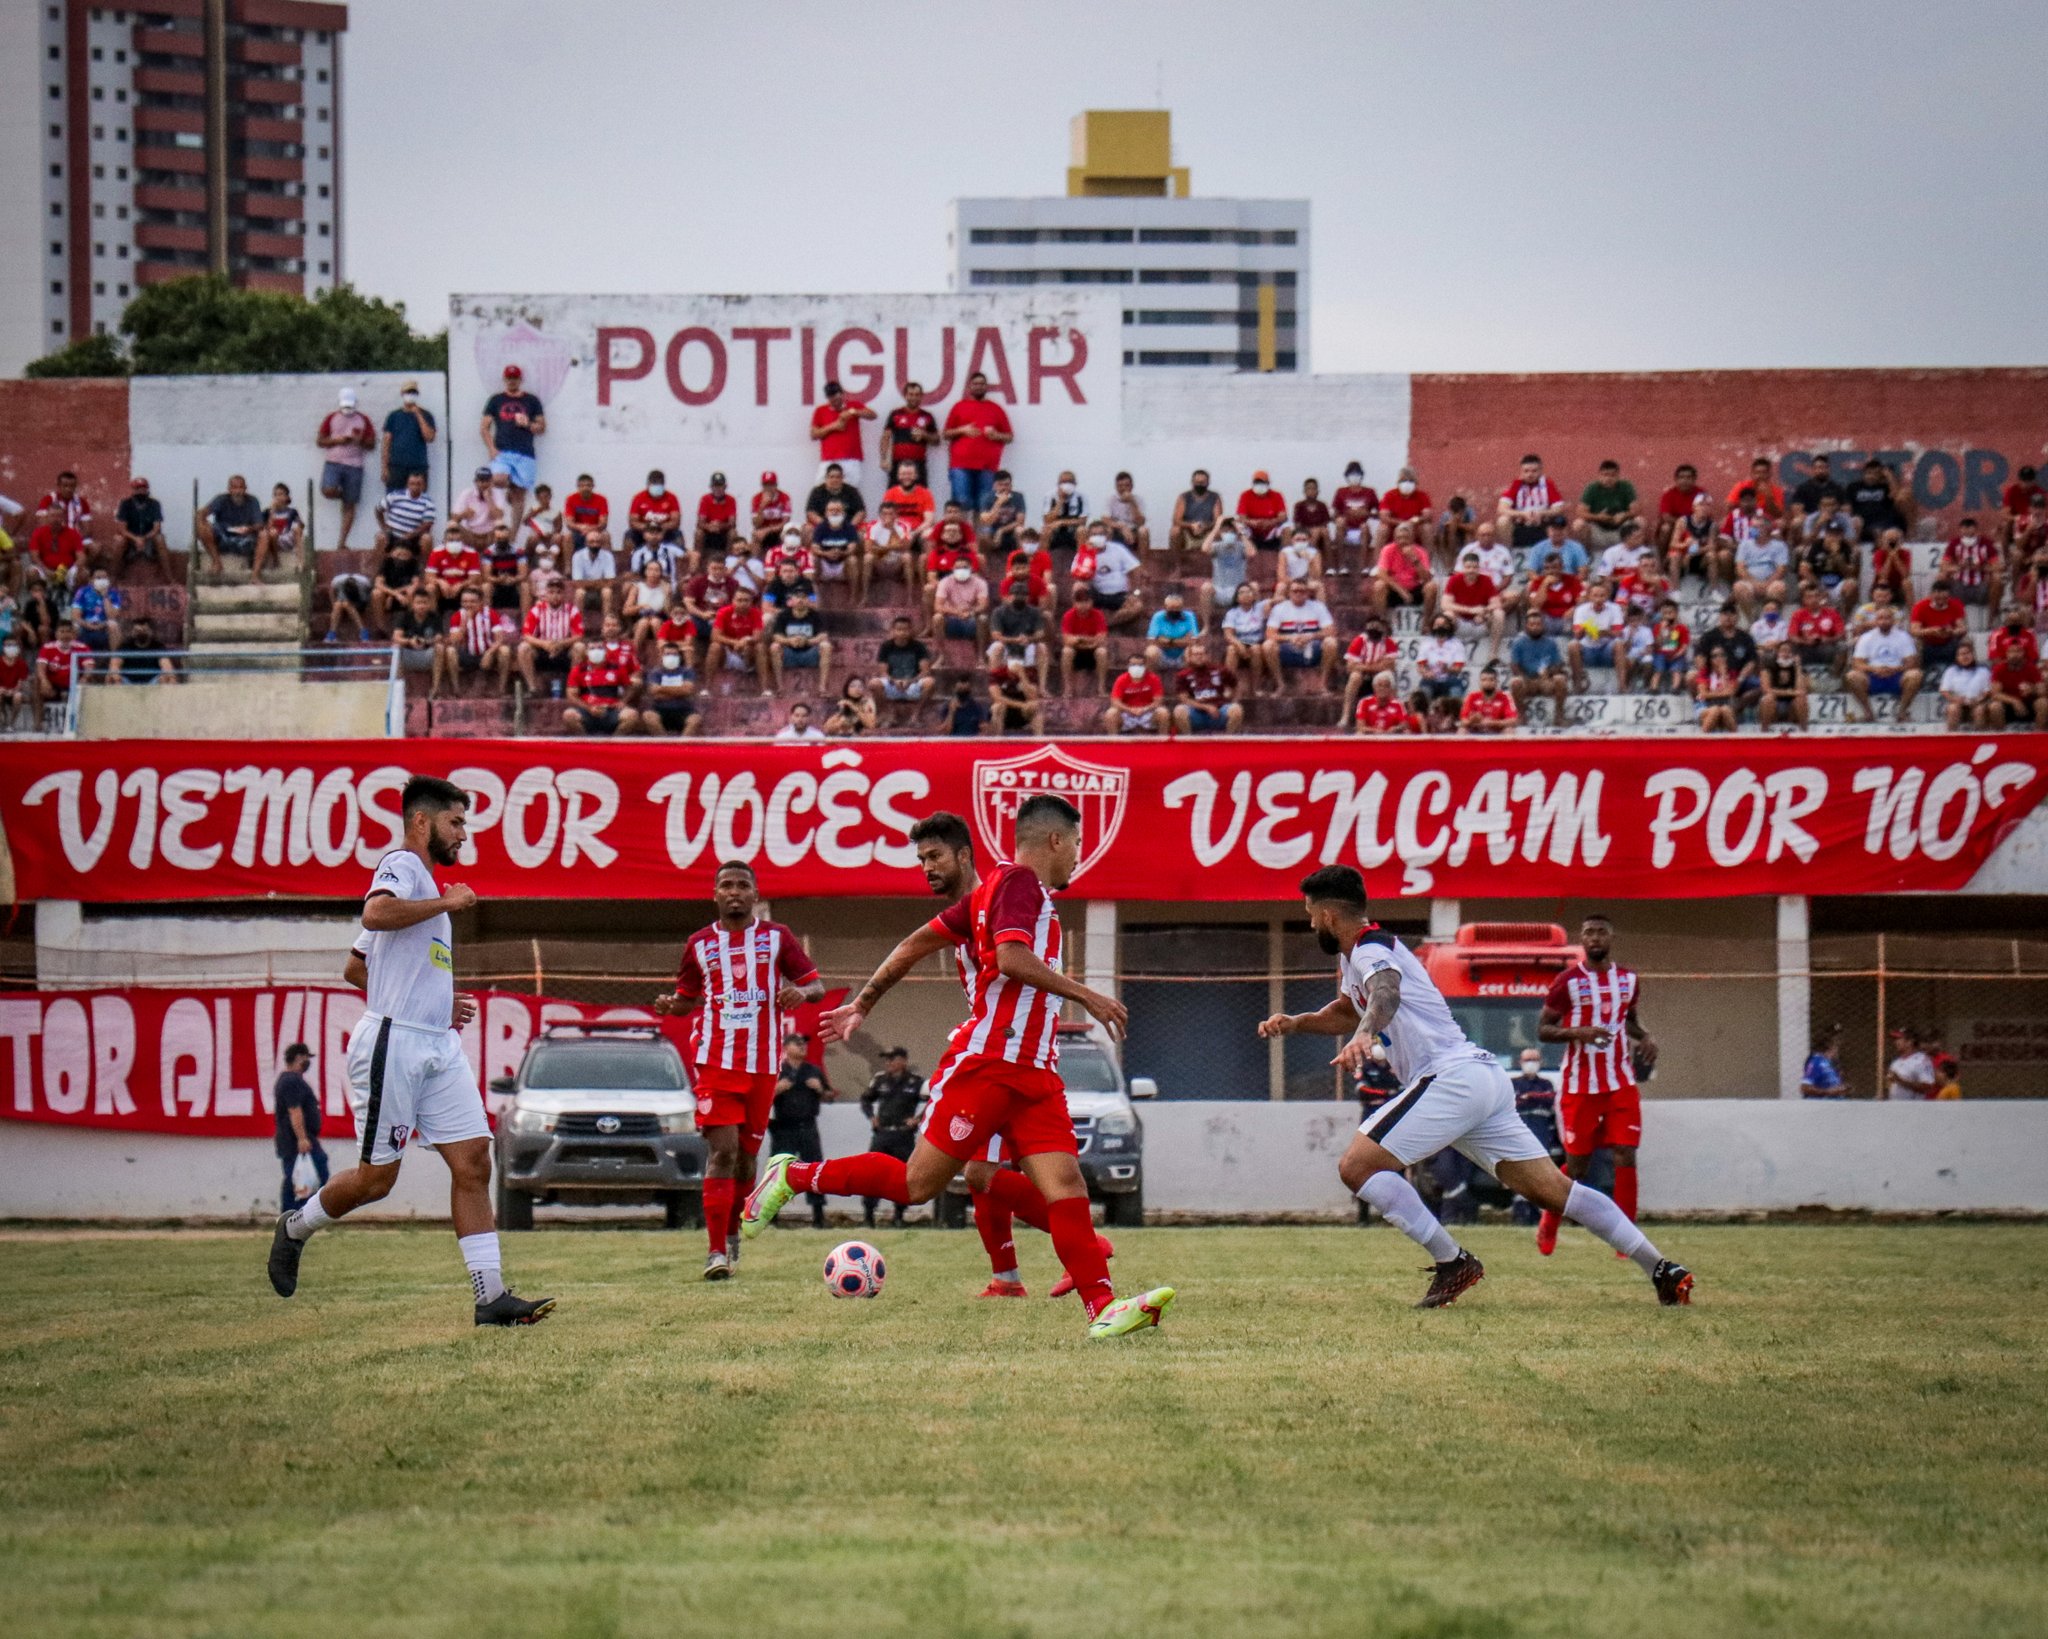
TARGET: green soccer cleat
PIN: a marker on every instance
(1133, 1314)
(770, 1196)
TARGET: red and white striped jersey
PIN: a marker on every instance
(1582, 998)
(736, 977)
(1005, 1019)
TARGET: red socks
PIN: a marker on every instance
(721, 1202)
(1080, 1251)
(1020, 1196)
(742, 1187)
(870, 1173)
(992, 1222)
(1625, 1191)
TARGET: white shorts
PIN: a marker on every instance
(1468, 1106)
(401, 1080)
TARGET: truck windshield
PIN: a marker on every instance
(1086, 1068)
(1504, 1025)
(604, 1066)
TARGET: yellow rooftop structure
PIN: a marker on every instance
(1125, 152)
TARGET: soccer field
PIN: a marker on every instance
(1845, 1435)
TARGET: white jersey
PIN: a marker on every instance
(412, 971)
(1423, 1038)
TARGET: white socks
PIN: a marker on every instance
(1611, 1224)
(480, 1253)
(1398, 1203)
(311, 1215)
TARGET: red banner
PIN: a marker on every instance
(1218, 819)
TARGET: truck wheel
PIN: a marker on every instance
(683, 1211)
(515, 1208)
(952, 1211)
(1125, 1211)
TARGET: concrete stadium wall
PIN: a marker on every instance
(48, 426)
(1213, 1160)
(228, 709)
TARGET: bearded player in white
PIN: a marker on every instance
(406, 1071)
(1454, 1095)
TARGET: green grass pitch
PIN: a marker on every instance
(1844, 1436)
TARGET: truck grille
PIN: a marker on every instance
(583, 1124)
(633, 1155)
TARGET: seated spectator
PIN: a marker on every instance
(1966, 690)
(1403, 577)
(1473, 601)
(1627, 555)
(2030, 587)
(966, 717)
(1490, 709)
(1771, 625)
(96, 613)
(1554, 594)
(791, 551)
(772, 510)
(1644, 589)
(1084, 639)
(1554, 548)
(1875, 504)
(676, 562)
(141, 658)
(668, 695)
(416, 634)
(718, 521)
(835, 489)
(1818, 485)
(654, 517)
(587, 517)
(835, 541)
(1368, 655)
(1066, 515)
(1761, 486)
(1014, 704)
(1636, 643)
(1783, 700)
(1301, 635)
(1354, 514)
(1406, 503)
(1173, 628)
(1002, 522)
(1699, 546)
(58, 662)
(1136, 703)
(797, 641)
(398, 577)
(1032, 564)
(1382, 711)
(853, 714)
(232, 522)
(139, 526)
(1829, 562)
(284, 531)
(476, 512)
(1262, 511)
(2018, 694)
(451, 567)
(1830, 511)
(1497, 564)
(1528, 505)
(1440, 661)
(707, 592)
(17, 685)
(1300, 560)
(1676, 504)
(36, 616)
(739, 640)
(1312, 516)
(1891, 564)
(800, 727)
(550, 636)
(1718, 693)
(1536, 667)
(1202, 694)
(1437, 716)
(2019, 498)
(892, 549)
(953, 525)
(1197, 510)
(647, 605)
(960, 606)
(912, 501)
(1125, 514)
(1228, 551)
(1456, 526)
(1973, 566)
(1670, 650)
(540, 526)
(1607, 506)
(1726, 637)
(1763, 568)
(1023, 629)
(950, 550)
(1865, 617)
(1113, 571)
(905, 678)
(1938, 624)
(593, 568)
(1885, 662)
(478, 639)
(1596, 623)
(1244, 633)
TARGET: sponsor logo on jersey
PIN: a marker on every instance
(441, 956)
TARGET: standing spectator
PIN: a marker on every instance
(1440, 661)
(478, 640)
(978, 428)
(1911, 1073)
(1126, 516)
(738, 640)
(1528, 504)
(1196, 511)
(797, 641)
(1606, 506)
(1885, 661)
(771, 512)
(1023, 630)
(2017, 691)
(1084, 636)
(1135, 703)
(906, 667)
(1784, 689)
(1536, 666)
(233, 522)
(346, 438)
(1596, 624)
(512, 420)
(1822, 1076)
(1262, 511)
(1972, 564)
(1718, 693)
(603, 685)
(408, 430)
(717, 520)
(668, 701)
(909, 434)
(1355, 511)
(1966, 690)
(1938, 625)
(1491, 708)
(416, 635)
(1202, 694)
(1301, 635)
(1874, 502)
(551, 634)
(835, 429)
(1406, 503)
(1404, 576)
(139, 521)
(1383, 711)
(297, 1109)
(801, 1090)
(1066, 514)
(96, 609)
(894, 1104)
(1536, 1104)
(1013, 699)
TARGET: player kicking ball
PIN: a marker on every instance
(406, 1071)
(1455, 1095)
(999, 1075)
(747, 975)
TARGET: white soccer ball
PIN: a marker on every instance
(854, 1269)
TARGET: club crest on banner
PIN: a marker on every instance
(1001, 787)
(542, 358)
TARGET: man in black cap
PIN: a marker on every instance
(298, 1121)
(893, 1104)
(800, 1090)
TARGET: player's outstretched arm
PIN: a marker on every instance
(1015, 960)
(914, 947)
(1340, 1018)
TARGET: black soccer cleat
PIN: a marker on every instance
(1673, 1282)
(1448, 1280)
(507, 1310)
(284, 1259)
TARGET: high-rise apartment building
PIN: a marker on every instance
(169, 137)
(1206, 283)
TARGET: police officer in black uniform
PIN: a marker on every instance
(893, 1104)
(1536, 1104)
(800, 1090)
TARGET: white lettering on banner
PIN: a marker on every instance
(1742, 791)
(141, 785)
(581, 829)
(796, 795)
(20, 1023)
(182, 808)
(338, 1021)
(1485, 814)
(910, 785)
(1265, 845)
(507, 1028)
(1430, 791)
(337, 790)
(740, 823)
(277, 802)
(82, 851)
(524, 851)
(379, 782)
(228, 1099)
(739, 796)
(1892, 824)
(1569, 816)
(1200, 789)
(486, 805)
(187, 1036)
(1795, 793)
(673, 792)
(67, 1057)
(1355, 813)
(1665, 789)
(113, 1055)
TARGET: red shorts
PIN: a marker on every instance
(980, 1102)
(735, 1098)
(1590, 1121)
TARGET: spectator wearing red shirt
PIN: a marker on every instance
(1263, 512)
(718, 519)
(452, 567)
(909, 433)
(737, 642)
(977, 427)
(1202, 692)
(1354, 512)
(835, 429)
(1383, 711)
(1135, 702)
(1368, 655)
(1676, 503)
(603, 685)
(58, 660)
(586, 516)
(1816, 631)
(2023, 495)
(1770, 495)
(1554, 595)
(772, 510)
(1473, 601)
(1527, 504)
(1084, 636)
(1313, 514)
(1937, 624)
(707, 592)
(56, 547)
(913, 502)
(2017, 691)
(68, 503)
(655, 516)
(1973, 566)
(1407, 503)
(549, 638)
(1489, 709)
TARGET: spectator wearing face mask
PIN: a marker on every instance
(1407, 503)
(2018, 694)
(345, 439)
(834, 489)
(966, 717)
(1354, 514)
(408, 430)
(1066, 515)
(960, 606)
(1136, 702)
(1229, 555)
(835, 542)
(1023, 630)
(1262, 511)
(97, 611)
(1440, 662)
(1973, 566)
(669, 694)
(1112, 570)
(17, 685)
(654, 517)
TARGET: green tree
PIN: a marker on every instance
(96, 355)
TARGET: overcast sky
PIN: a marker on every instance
(1570, 186)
